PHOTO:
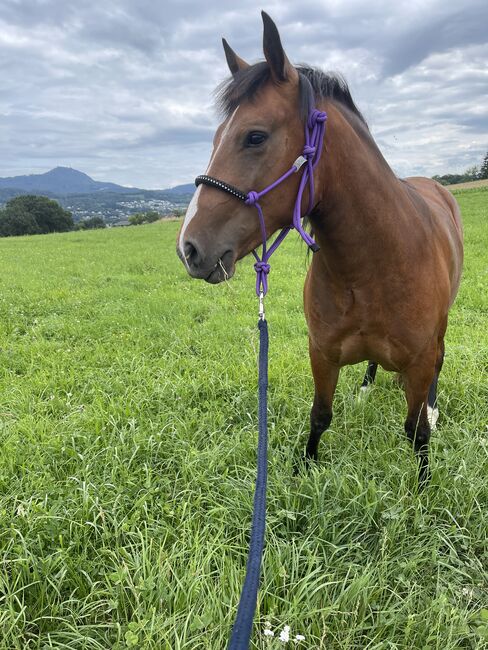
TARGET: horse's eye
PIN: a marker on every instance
(255, 138)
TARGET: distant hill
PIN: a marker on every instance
(85, 198)
(62, 181)
(59, 181)
(188, 188)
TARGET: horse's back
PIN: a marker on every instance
(446, 220)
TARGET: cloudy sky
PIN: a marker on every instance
(122, 90)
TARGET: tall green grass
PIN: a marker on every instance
(128, 434)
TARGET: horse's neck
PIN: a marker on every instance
(358, 194)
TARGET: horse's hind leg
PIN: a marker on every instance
(432, 408)
(368, 378)
(370, 374)
(325, 378)
(418, 379)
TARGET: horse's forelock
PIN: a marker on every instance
(314, 84)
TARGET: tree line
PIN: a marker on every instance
(138, 218)
(36, 215)
(33, 215)
(471, 174)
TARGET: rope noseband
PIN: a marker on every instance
(314, 139)
(220, 185)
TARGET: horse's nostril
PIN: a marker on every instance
(191, 254)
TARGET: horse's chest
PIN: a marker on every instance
(360, 332)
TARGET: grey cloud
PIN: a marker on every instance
(440, 34)
(124, 89)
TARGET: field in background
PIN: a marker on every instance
(128, 435)
(469, 186)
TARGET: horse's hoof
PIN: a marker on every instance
(303, 464)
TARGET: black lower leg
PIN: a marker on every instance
(418, 433)
(320, 419)
(370, 374)
(432, 398)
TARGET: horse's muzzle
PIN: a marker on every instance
(215, 270)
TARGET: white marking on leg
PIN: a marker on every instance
(363, 393)
(432, 417)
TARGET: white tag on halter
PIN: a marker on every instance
(301, 160)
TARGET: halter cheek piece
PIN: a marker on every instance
(314, 139)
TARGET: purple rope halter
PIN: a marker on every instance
(314, 139)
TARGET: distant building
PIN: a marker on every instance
(117, 224)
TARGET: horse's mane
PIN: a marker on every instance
(314, 84)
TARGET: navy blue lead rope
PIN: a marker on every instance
(241, 632)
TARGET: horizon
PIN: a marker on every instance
(129, 186)
(104, 180)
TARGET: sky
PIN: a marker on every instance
(122, 90)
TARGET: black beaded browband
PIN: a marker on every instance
(220, 185)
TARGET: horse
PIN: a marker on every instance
(389, 251)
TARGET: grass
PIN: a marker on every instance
(128, 434)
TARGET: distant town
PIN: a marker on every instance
(116, 209)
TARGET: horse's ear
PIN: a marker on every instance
(281, 68)
(234, 62)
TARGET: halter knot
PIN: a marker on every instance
(316, 116)
(262, 267)
(309, 151)
(252, 198)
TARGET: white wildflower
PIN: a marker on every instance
(267, 629)
(299, 637)
(285, 634)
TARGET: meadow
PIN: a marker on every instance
(128, 433)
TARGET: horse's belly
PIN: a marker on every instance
(390, 354)
(391, 344)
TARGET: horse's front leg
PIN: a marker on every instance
(325, 376)
(417, 379)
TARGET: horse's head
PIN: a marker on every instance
(261, 136)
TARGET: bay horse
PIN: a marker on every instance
(390, 250)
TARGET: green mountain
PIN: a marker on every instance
(59, 181)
